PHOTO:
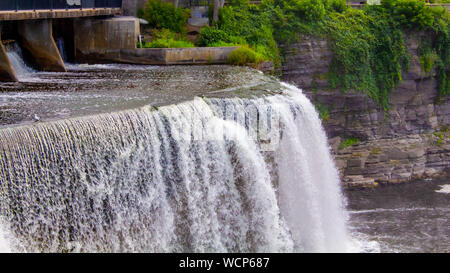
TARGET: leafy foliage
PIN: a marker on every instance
(368, 47)
(211, 35)
(164, 38)
(244, 55)
(348, 142)
(242, 24)
(160, 14)
(369, 53)
(324, 113)
(409, 13)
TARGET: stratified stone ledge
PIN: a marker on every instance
(393, 160)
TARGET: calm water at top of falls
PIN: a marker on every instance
(111, 165)
(93, 89)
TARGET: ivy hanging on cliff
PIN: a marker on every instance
(369, 53)
(368, 47)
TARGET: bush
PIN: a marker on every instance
(348, 142)
(310, 10)
(209, 36)
(167, 43)
(324, 113)
(410, 13)
(160, 14)
(164, 38)
(336, 5)
(252, 25)
(427, 56)
(244, 55)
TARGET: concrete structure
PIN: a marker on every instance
(199, 16)
(38, 44)
(160, 56)
(104, 38)
(93, 40)
(171, 56)
(7, 73)
(115, 39)
(57, 13)
(30, 23)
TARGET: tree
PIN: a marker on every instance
(217, 5)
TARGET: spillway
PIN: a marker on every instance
(213, 173)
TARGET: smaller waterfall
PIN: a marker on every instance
(23, 71)
(4, 244)
(61, 48)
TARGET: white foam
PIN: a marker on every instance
(444, 189)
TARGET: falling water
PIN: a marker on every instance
(23, 71)
(61, 48)
(222, 175)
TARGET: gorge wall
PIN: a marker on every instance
(411, 141)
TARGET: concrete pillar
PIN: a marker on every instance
(97, 39)
(39, 46)
(7, 73)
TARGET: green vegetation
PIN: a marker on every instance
(160, 14)
(427, 56)
(441, 135)
(167, 43)
(244, 24)
(244, 55)
(210, 36)
(440, 138)
(164, 38)
(324, 113)
(348, 142)
(368, 47)
(369, 51)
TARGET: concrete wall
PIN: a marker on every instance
(38, 45)
(100, 36)
(7, 73)
(198, 55)
(160, 56)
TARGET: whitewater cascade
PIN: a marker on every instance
(221, 175)
(62, 48)
(23, 71)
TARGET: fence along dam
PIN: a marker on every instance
(121, 158)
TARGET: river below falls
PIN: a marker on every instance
(412, 217)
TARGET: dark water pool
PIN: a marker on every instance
(411, 217)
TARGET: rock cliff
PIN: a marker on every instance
(410, 141)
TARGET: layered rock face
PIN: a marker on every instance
(411, 142)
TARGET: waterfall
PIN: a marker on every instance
(23, 71)
(61, 48)
(207, 175)
(4, 243)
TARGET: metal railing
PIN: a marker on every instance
(18, 5)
